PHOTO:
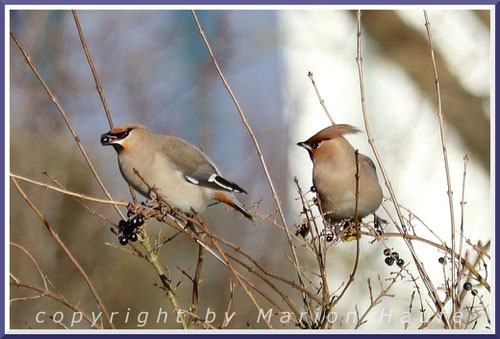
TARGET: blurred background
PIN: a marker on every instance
(155, 70)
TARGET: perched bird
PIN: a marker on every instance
(186, 178)
(334, 174)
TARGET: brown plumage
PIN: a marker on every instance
(185, 176)
(334, 174)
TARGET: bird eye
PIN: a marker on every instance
(124, 134)
(316, 144)
(105, 140)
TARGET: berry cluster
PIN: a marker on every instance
(303, 230)
(392, 257)
(128, 229)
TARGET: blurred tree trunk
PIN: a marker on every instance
(462, 110)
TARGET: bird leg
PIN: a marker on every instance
(377, 224)
(350, 231)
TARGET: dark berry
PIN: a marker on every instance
(442, 261)
(389, 261)
(127, 230)
(474, 292)
(329, 237)
(137, 221)
(129, 214)
(133, 237)
(395, 255)
(123, 240)
(379, 231)
(400, 262)
(140, 220)
(467, 286)
(387, 252)
(313, 188)
(122, 224)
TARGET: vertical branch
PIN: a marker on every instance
(321, 101)
(55, 236)
(66, 120)
(98, 85)
(257, 146)
(238, 277)
(195, 296)
(460, 248)
(445, 158)
(152, 257)
(358, 235)
(402, 229)
(94, 72)
(356, 206)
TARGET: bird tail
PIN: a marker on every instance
(231, 201)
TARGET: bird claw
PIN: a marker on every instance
(377, 221)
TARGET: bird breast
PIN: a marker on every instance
(335, 182)
(158, 171)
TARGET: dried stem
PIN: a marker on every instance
(376, 301)
(98, 85)
(402, 229)
(34, 262)
(55, 236)
(195, 297)
(66, 120)
(80, 201)
(45, 292)
(257, 146)
(460, 248)
(152, 258)
(321, 101)
(358, 235)
(446, 165)
(235, 273)
(60, 190)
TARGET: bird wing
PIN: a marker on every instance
(364, 159)
(195, 166)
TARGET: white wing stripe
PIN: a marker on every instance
(229, 188)
(192, 180)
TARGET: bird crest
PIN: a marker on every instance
(332, 132)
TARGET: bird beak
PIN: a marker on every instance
(304, 145)
(107, 139)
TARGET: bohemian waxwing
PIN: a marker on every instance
(334, 174)
(185, 177)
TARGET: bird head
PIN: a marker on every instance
(313, 144)
(121, 136)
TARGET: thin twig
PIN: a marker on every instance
(66, 120)
(446, 165)
(377, 300)
(233, 270)
(358, 235)
(445, 249)
(80, 202)
(153, 259)
(47, 293)
(195, 297)
(462, 208)
(257, 146)
(60, 190)
(34, 262)
(402, 229)
(55, 236)
(321, 101)
(98, 85)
